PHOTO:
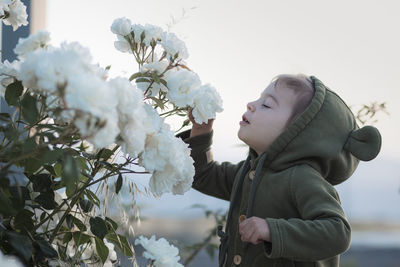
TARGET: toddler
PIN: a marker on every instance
(284, 211)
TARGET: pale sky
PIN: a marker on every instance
(239, 46)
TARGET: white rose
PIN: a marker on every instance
(173, 45)
(131, 114)
(8, 74)
(151, 120)
(152, 32)
(206, 102)
(121, 26)
(17, 15)
(155, 155)
(122, 46)
(9, 261)
(129, 97)
(91, 94)
(156, 66)
(137, 31)
(50, 69)
(169, 159)
(134, 138)
(4, 6)
(181, 86)
(163, 254)
(34, 41)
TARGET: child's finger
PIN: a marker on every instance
(243, 227)
(254, 237)
(190, 115)
(245, 231)
(245, 236)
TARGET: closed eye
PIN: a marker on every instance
(266, 106)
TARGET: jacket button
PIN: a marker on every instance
(242, 218)
(251, 174)
(237, 259)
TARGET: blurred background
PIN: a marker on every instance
(238, 47)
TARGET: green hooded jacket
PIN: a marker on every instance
(290, 185)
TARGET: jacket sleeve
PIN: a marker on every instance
(211, 178)
(322, 230)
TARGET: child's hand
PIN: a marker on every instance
(254, 230)
(198, 129)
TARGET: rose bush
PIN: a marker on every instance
(67, 130)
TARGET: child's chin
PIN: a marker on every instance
(241, 137)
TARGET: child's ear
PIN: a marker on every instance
(364, 143)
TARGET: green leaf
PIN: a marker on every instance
(29, 145)
(68, 220)
(135, 75)
(6, 207)
(42, 216)
(98, 227)
(113, 224)
(29, 109)
(51, 156)
(118, 184)
(47, 249)
(164, 82)
(62, 251)
(121, 242)
(83, 163)
(70, 174)
(21, 243)
(102, 249)
(86, 205)
(142, 80)
(158, 101)
(50, 169)
(19, 195)
(32, 165)
(92, 197)
(107, 165)
(11, 133)
(80, 238)
(73, 220)
(46, 199)
(41, 182)
(105, 153)
(58, 169)
(20, 192)
(67, 237)
(156, 78)
(23, 220)
(13, 92)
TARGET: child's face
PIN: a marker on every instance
(267, 117)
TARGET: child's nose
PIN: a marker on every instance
(250, 106)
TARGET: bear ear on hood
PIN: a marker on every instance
(364, 143)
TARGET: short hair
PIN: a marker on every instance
(303, 88)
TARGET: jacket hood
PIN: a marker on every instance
(325, 136)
